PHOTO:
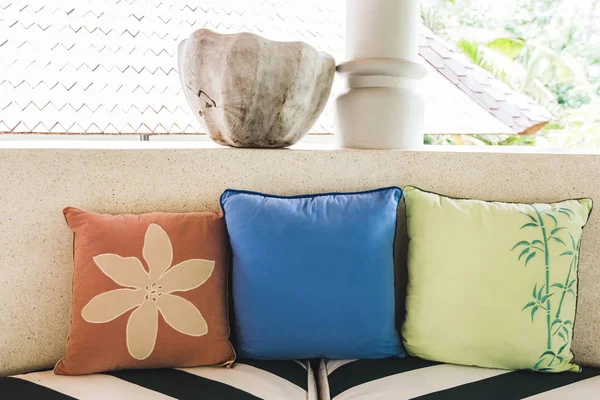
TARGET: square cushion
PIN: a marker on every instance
(149, 291)
(313, 275)
(246, 380)
(414, 378)
(492, 284)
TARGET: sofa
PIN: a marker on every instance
(249, 379)
(408, 378)
(414, 378)
(35, 293)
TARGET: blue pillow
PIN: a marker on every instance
(313, 275)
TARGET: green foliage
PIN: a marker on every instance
(481, 140)
(547, 49)
(509, 47)
(558, 331)
(567, 95)
(471, 50)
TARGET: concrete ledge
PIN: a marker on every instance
(314, 142)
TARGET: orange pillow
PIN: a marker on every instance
(149, 291)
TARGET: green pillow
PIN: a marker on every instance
(492, 284)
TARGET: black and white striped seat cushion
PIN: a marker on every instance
(246, 380)
(413, 378)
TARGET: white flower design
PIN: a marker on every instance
(150, 293)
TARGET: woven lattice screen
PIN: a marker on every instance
(110, 67)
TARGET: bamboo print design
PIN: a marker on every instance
(556, 327)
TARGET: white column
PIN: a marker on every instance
(382, 108)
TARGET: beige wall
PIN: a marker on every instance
(35, 184)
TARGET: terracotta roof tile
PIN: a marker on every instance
(432, 57)
(492, 94)
(451, 76)
(473, 84)
(458, 67)
(496, 93)
(505, 117)
(489, 102)
(439, 48)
